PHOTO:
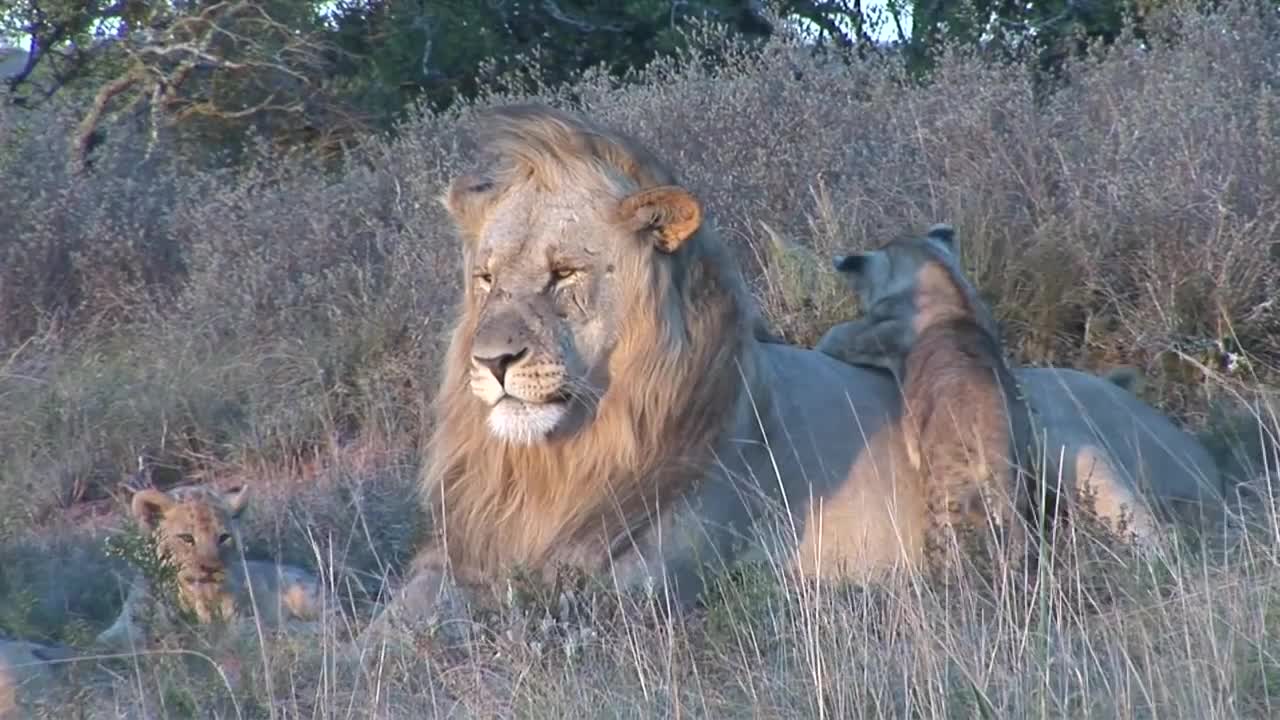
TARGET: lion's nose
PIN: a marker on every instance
(499, 364)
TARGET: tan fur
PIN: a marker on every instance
(967, 431)
(607, 402)
(197, 529)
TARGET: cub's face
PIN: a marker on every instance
(197, 528)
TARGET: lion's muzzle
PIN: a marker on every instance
(497, 365)
(204, 575)
(521, 377)
(503, 367)
(494, 380)
(526, 400)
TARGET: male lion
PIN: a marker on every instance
(197, 529)
(967, 431)
(606, 403)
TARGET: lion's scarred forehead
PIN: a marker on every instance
(536, 226)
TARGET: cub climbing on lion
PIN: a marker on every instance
(966, 427)
(926, 322)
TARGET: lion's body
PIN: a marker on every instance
(967, 431)
(606, 402)
(197, 529)
(26, 669)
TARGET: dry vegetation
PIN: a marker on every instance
(283, 328)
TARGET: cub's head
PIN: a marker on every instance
(900, 267)
(572, 240)
(924, 270)
(197, 528)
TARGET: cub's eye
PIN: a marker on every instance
(224, 538)
(562, 274)
(186, 538)
(484, 278)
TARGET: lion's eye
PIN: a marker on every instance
(224, 538)
(563, 273)
(186, 538)
(483, 279)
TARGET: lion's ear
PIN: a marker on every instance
(149, 506)
(237, 499)
(466, 199)
(853, 264)
(672, 213)
(944, 234)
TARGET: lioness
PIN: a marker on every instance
(606, 402)
(197, 529)
(966, 429)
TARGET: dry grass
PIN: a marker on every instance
(284, 328)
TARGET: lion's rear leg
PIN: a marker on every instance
(1102, 489)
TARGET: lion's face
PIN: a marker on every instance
(198, 529)
(547, 293)
(550, 276)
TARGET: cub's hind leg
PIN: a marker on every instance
(1103, 490)
(974, 500)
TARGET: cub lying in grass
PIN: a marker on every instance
(196, 530)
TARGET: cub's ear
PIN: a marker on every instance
(672, 213)
(852, 264)
(466, 199)
(149, 506)
(943, 233)
(237, 499)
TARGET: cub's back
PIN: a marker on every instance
(281, 592)
(963, 398)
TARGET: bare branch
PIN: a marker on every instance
(209, 110)
(89, 125)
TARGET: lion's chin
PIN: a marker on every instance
(525, 423)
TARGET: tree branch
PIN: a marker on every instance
(89, 125)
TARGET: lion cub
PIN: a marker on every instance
(966, 427)
(197, 528)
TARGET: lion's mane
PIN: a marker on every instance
(678, 377)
